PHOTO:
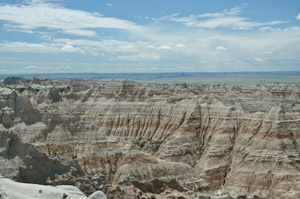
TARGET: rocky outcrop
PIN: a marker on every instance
(97, 195)
(24, 163)
(14, 190)
(132, 140)
(12, 80)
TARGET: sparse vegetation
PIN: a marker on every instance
(152, 197)
(65, 196)
(40, 191)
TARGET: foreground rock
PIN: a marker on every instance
(15, 190)
(97, 195)
(170, 141)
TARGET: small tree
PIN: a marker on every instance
(65, 196)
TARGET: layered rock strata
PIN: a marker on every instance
(130, 139)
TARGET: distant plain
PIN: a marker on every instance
(239, 78)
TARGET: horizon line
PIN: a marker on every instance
(104, 73)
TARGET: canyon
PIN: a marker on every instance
(133, 140)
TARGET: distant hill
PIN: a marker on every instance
(179, 77)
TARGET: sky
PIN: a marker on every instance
(142, 36)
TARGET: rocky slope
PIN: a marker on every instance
(169, 141)
(15, 190)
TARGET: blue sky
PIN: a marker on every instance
(112, 36)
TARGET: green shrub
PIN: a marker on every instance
(152, 197)
(65, 196)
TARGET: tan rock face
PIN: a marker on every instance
(208, 138)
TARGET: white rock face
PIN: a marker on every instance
(97, 195)
(15, 190)
(3, 193)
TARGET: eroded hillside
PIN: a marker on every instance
(136, 140)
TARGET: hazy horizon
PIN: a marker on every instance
(247, 78)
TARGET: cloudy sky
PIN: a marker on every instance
(112, 36)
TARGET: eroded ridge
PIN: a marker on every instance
(132, 140)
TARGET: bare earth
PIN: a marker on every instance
(173, 141)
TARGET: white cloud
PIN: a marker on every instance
(180, 45)
(156, 45)
(82, 46)
(69, 48)
(164, 47)
(45, 69)
(28, 47)
(258, 59)
(40, 14)
(202, 50)
(221, 48)
(80, 32)
(45, 36)
(139, 56)
(298, 17)
(32, 67)
(43, 47)
(11, 27)
(109, 4)
(151, 47)
(226, 19)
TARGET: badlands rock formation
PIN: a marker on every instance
(153, 140)
(15, 190)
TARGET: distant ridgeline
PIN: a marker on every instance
(178, 77)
